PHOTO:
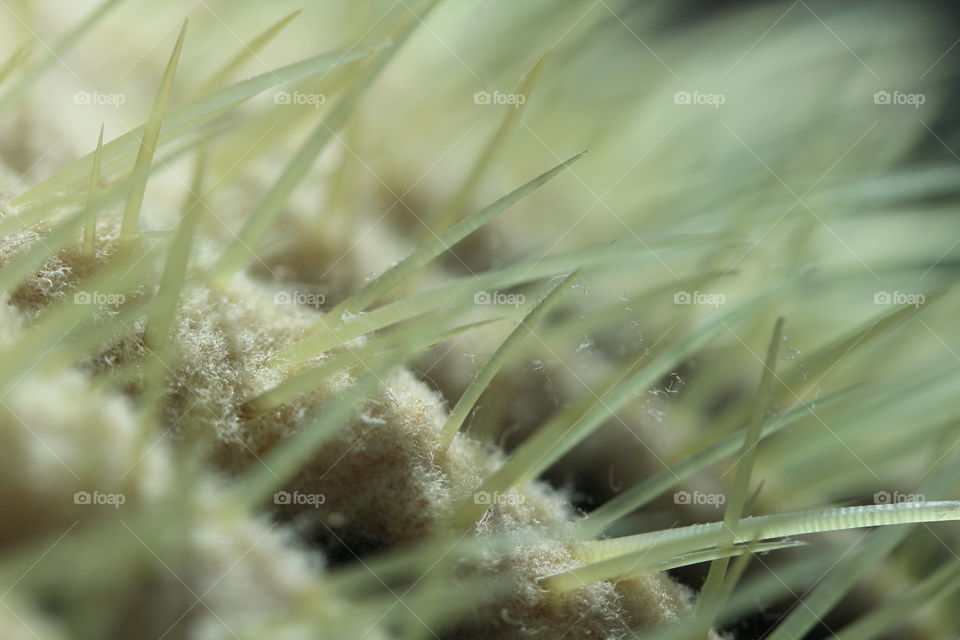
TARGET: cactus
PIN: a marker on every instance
(240, 396)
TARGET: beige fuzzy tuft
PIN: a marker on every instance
(385, 480)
